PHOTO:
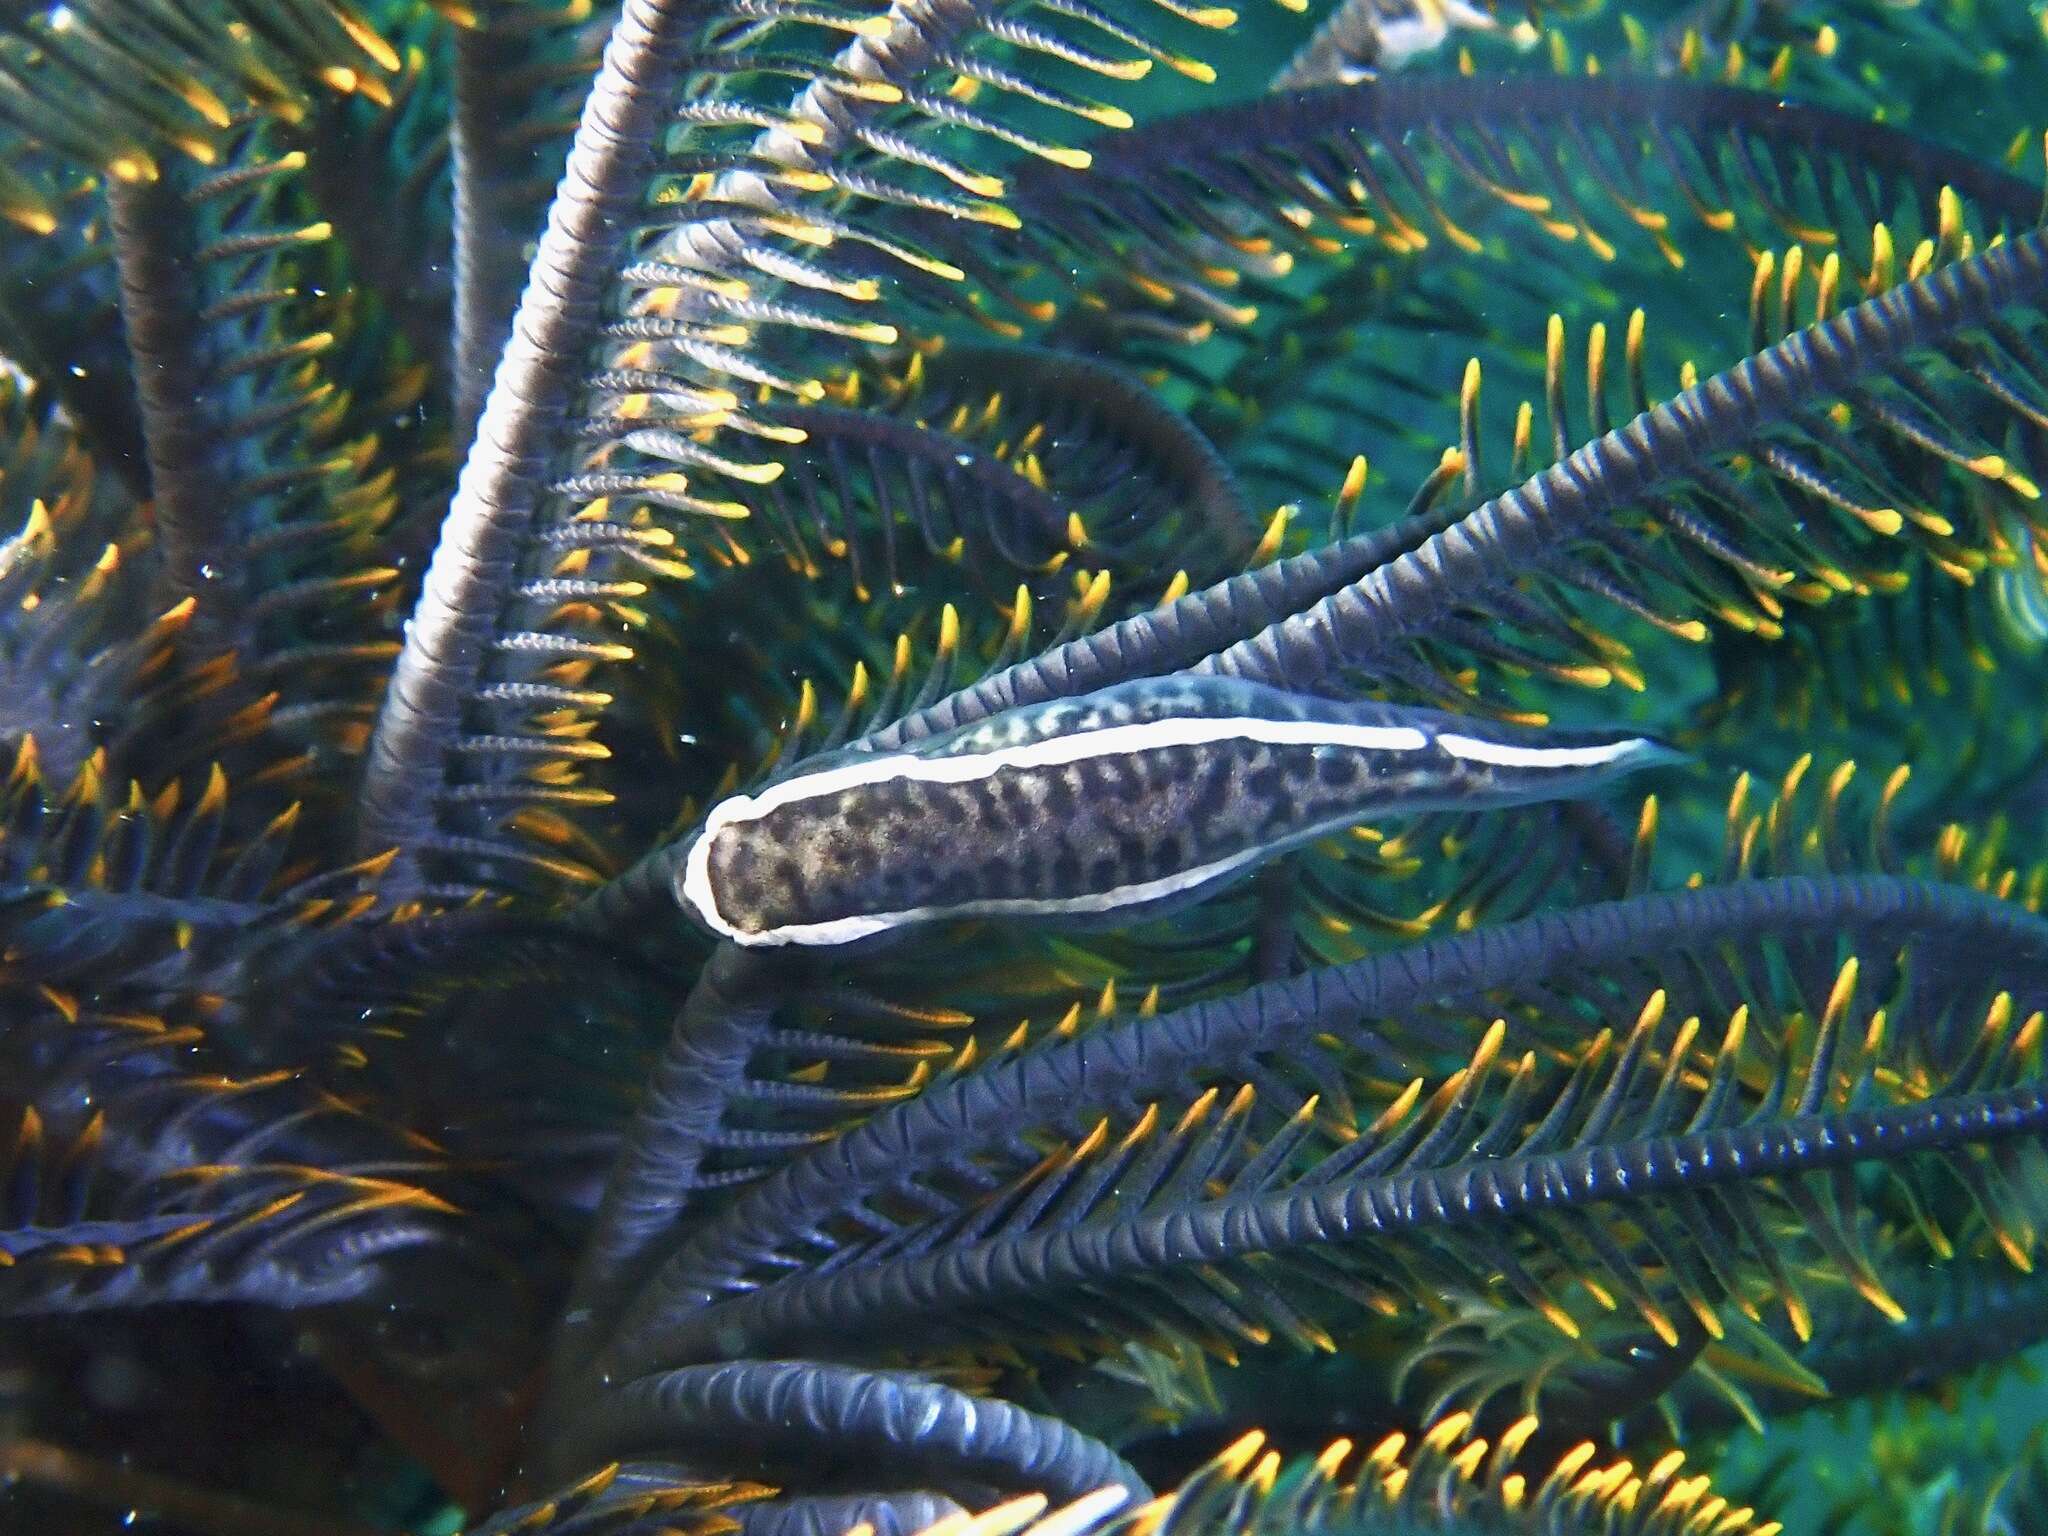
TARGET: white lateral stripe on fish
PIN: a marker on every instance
(1507, 755)
(1110, 741)
(1101, 815)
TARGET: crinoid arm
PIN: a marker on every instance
(1022, 767)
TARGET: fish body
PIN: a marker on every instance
(1105, 807)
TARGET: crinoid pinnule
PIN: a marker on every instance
(826, 766)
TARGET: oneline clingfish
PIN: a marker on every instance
(1109, 806)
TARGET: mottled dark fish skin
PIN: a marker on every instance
(1045, 834)
(1108, 806)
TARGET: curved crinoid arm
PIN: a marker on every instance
(1743, 519)
(1667, 1165)
(267, 516)
(166, 889)
(1296, 1040)
(1190, 210)
(455, 1020)
(726, 1018)
(905, 1431)
(80, 672)
(1122, 434)
(732, 244)
(1446, 1481)
(620, 1498)
(1483, 1358)
(1807, 525)
(377, 169)
(100, 887)
(1973, 1311)
(1891, 681)
(74, 78)
(60, 318)
(1965, 1304)
(1168, 638)
(1004, 459)
(518, 71)
(623, 1496)
(1330, 215)
(473, 572)
(1671, 466)
(858, 468)
(741, 1085)
(141, 1172)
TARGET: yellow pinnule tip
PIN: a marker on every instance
(1387, 1452)
(1241, 1452)
(1276, 532)
(216, 793)
(1447, 1431)
(1880, 1298)
(1333, 1457)
(1663, 1468)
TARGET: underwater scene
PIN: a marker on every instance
(1024, 768)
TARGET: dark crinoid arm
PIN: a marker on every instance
(1224, 1178)
(1664, 1163)
(1136, 791)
